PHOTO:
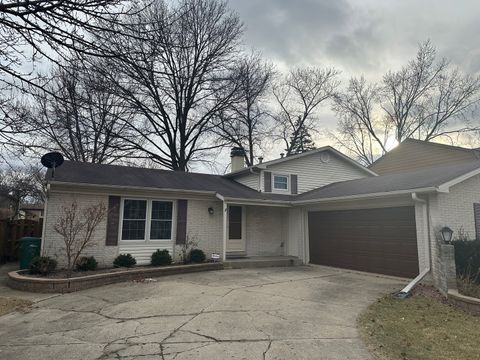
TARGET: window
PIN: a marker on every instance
(280, 182)
(134, 219)
(235, 222)
(161, 223)
(145, 220)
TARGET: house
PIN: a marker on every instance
(31, 211)
(319, 206)
(414, 154)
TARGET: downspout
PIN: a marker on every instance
(44, 225)
(406, 291)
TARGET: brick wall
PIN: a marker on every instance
(204, 228)
(455, 208)
(267, 230)
(53, 243)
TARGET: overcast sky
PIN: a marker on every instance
(358, 37)
(361, 36)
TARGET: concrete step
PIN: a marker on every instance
(261, 262)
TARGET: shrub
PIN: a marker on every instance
(87, 263)
(161, 257)
(467, 259)
(124, 260)
(42, 265)
(197, 256)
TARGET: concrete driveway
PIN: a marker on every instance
(276, 313)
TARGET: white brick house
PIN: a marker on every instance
(319, 206)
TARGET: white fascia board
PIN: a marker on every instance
(445, 187)
(366, 196)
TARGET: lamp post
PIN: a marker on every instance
(447, 234)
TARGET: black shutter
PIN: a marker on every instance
(113, 219)
(476, 216)
(267, 178)
(181, 222)
(294, 184)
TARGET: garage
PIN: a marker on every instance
(380, 240)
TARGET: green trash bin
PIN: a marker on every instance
(29, 248)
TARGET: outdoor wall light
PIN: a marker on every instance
(447, 234)
(210, 210)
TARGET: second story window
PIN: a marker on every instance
(280, 182)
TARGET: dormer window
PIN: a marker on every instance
(280, 182)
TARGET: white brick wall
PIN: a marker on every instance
(203, 228)
(53, 242)
(455, 209)
(267, 230)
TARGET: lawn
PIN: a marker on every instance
(420, 327)
(7, 305)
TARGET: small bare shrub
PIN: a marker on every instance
(77, 228)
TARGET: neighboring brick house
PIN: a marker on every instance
(319, 206)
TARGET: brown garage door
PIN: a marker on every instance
(383, 241)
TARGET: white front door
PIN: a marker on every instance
(236, 229)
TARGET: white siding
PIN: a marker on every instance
(313, 173)
(142, 252)
(250, 180)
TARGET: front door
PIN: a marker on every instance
(236, 228)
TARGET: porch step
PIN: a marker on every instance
(236, 255)
(261, 262)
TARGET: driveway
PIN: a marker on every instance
(275, 313)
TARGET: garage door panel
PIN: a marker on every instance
(375, 240)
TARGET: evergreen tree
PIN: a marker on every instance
(301, 140)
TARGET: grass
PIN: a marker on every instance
(419, 328)
(8, 305)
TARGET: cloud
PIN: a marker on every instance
(359, 37)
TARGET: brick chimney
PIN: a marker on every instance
(238, 159)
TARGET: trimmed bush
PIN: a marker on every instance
(467, 259)
(161, 258)
(197, 256)
(43, 265)
(124, 260)
(87, 263)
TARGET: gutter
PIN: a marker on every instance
(406, 291)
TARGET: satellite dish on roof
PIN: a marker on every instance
(52, 160)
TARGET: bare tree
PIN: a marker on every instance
(298, 97)
(45, 30)
(425, 100)
(77, 229)
(83, 119)
(24, 184)
(244, 122)
(178, 78)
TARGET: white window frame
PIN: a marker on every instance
(274, 189)
(148, 222)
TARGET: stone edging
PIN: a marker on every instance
(468, 303)
(18, 281)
